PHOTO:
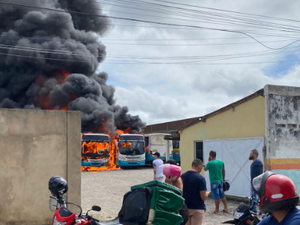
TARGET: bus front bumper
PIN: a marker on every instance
(94, 164)
(127, 163)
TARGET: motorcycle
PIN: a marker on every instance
(244, 215)
(63, 216)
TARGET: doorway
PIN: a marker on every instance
(199, 150)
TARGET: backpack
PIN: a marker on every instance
(136, 206)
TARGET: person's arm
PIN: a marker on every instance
(206, 167)
(204, 194)
(154, 170)
(202, 188)
(168, 181)
(223, 172)
(179, 184)
(257, 170)
(261, 169)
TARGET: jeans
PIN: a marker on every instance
(217, 191)
(254, 199)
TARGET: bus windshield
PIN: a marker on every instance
(95, 138)
(131, 147)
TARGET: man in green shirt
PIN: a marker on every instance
(216, 170)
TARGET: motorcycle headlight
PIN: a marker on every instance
(57, 223)
(237, 215)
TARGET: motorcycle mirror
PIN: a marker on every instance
(53, 203)
(96, 208)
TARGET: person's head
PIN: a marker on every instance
(197, 165)
(212, 155)
(276, 192)
(253, 154)
(156, 155)
(172, 172)
(171, 161)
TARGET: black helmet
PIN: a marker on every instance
(58, 186)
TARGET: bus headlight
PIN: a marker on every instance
(142, 158)
(122, 158)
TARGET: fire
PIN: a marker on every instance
(108, 155)
(104, 153)
(126, 144)
(94, 147)
(43, 101)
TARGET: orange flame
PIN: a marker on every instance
(113, 151)
(43, 101)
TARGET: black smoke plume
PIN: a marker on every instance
(49, 59)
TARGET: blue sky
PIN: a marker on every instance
(279, 70)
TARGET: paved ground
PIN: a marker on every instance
(106, 189)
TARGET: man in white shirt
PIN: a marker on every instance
(157, 162)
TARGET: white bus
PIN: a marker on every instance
(95, 150)
(131, 150)
(155, 142)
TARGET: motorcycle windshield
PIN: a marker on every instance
(242, 208)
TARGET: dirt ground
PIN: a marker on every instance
(106, 189)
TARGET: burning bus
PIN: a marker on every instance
(131, 150)
(103, 152)
(95, 150)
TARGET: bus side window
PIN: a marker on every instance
(146, 141)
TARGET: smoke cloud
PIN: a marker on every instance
(49, 58)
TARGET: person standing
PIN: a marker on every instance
(194, 193)
(157, 162)
(216, 170)
(256, 169)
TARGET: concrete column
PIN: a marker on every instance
(73, 124)
(168, 150)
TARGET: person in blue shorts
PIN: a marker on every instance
(216, 170)
(278, 196)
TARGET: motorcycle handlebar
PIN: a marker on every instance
(70, 203)
(89, 217)
(80, 214)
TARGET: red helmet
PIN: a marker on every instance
(276, 192)
(172, 172)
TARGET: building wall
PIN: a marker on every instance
(283, 131)
(244, 120)
(36, 145)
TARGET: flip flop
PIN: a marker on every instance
(213, 212)
(224, 211)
